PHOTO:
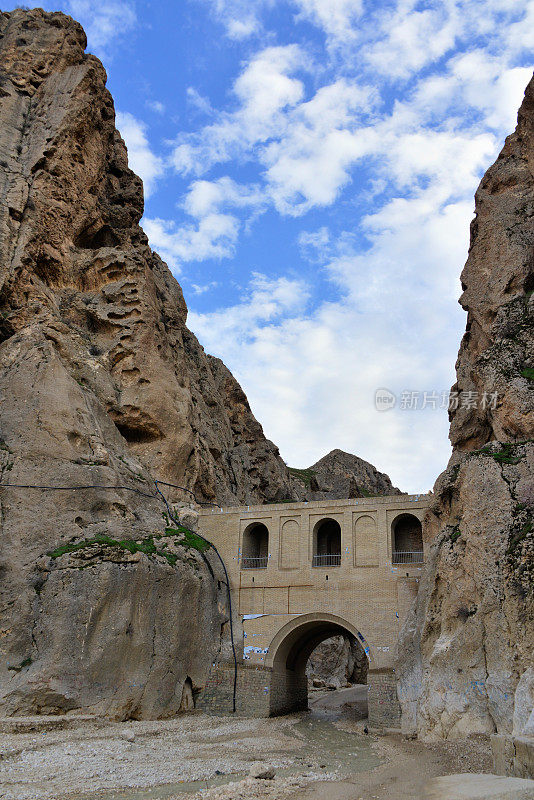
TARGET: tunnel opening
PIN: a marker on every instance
(291, 651)
(407, 540)
(327, 543)
(255, 547)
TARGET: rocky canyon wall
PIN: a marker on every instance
(103, 606)
(467, 649)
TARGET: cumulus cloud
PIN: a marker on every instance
(141, 159)
(241, 18)
(392, 327)
(378, 148)
(214, 236)
(335, 17)
(262, 91)
(104, 21)
(213, 233)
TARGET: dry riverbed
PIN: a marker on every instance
(323, 754)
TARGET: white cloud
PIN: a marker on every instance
(156, 106)
(103, 20)
(391, 132)
(334, 17)
(206, 287)
(241, 18)
(315, 245)
(263, 91)
(214, 236)
(141, 159)
(198, 102)
(266, 301)
(410, 39)
(205, 197)
(310, 163)
(392, 327)
(213, 232)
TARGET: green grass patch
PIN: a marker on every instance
(304, 475)
(504, 456)
(190, 539)
(147, 545)
(455, 534)
(528, 373)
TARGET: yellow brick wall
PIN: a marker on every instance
(366, 590)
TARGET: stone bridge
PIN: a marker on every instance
(303, 572)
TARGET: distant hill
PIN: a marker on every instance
(340, 475)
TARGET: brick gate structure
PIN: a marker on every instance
(303, 572)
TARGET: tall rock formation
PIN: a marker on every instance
(101, 384)
(76, 270)
(467, 649)
(339, 475)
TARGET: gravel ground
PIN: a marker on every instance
(319, 756)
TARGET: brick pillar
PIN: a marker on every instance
(384, 707)
(253, 690)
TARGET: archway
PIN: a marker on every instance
(289, 652)
(327, 543)
(407, 540)
(255, 546)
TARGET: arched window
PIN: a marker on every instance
(327, 544)
(255, 547)
(407, 540)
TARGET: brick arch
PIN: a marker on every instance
(406, 534)
(289, 652)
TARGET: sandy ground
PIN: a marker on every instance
(321, 755)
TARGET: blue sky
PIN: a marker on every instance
(309, 170)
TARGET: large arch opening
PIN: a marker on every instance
(255, 546)
(407, 540)
(327, 543)
(289, 653)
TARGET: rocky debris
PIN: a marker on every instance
(466, 650)
(339, 475)
(337, 662)
(479, 787)
(261, 771)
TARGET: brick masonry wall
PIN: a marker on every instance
(253, 690)
(384, 708)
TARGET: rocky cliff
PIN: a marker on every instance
(76, 269)
(337, 662)
(339, 475)
(103, 607)
(467, 650)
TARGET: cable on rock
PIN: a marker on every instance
(227, 587)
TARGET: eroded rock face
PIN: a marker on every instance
(76, 269)
(337, 662)
(101, 384)
(467, 648)
(339, 475)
